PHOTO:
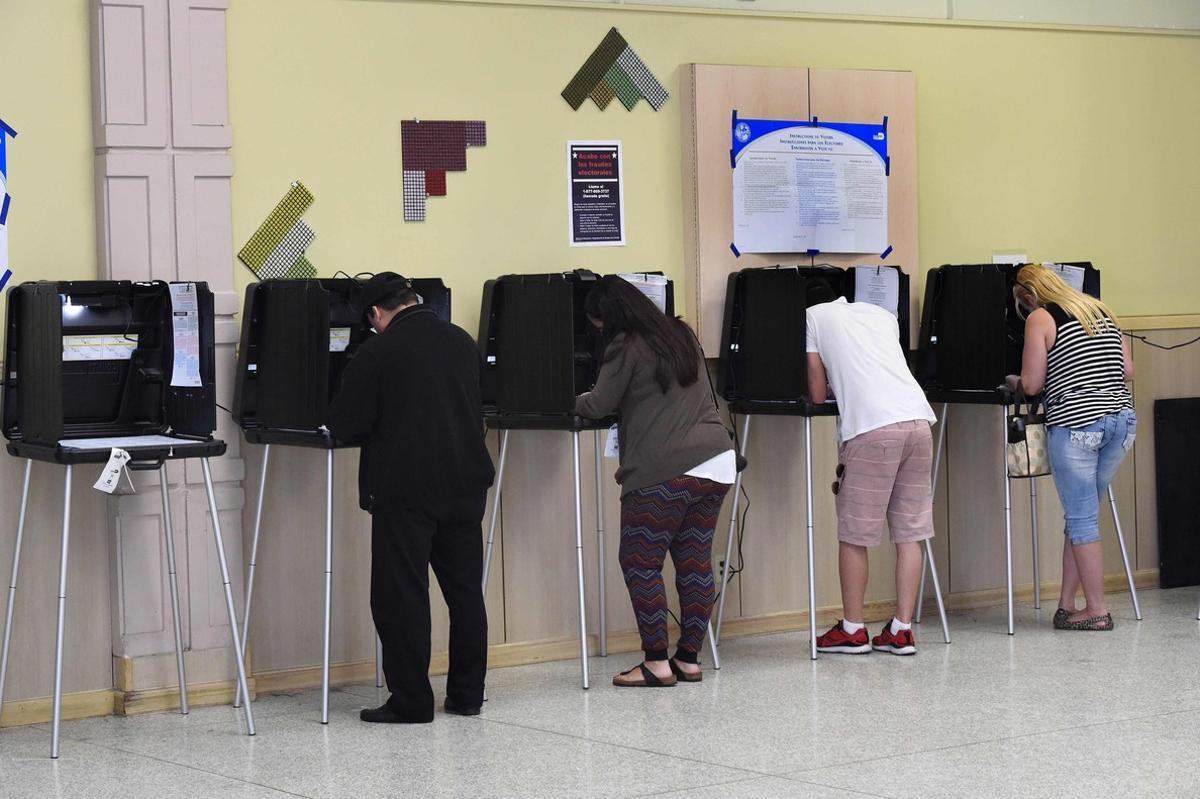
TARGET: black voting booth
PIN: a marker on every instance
(540, 351)
(95, 365)
(971, 338)
(297, 338)
(762, 369)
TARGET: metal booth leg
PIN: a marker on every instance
(378, 669)
(583, 661)
(808, 512)
(928, 553)
(937, 588)
(233, 627)
(62, 615)
(1112, 502)
(600, 564)
(733, 520)
(487, 558)
(328, 583)
(12, 583)
(169, 534)
(1033, 529)
(1008, 567)
(262, 492)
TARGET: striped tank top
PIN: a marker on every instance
(1085, 375)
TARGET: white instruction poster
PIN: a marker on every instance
(803, 186)
(878, 285)
(1071, 275)
(185, 322)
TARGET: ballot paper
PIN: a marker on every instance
(123, 442)
(1072, 275)
(185, 321)
(98, 348)
(612, 446)
(653, 286)
(110, 477)
(339, 339)
(878, 285)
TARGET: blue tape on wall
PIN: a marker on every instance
(4, 278)
(885, 253)
(4, 209)
(816, 123)
(732, 159)
(737, 253)
(812, 252)
(885, 123)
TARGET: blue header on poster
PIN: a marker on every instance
(746, 131)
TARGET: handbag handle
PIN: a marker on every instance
(1020, 399)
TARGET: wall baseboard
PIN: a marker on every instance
(108, 702)
(76, 705)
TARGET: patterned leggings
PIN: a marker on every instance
(679, 516)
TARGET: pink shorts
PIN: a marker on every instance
(885, 481)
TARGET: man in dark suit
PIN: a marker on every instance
(411, 397)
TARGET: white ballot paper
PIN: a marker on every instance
(98, 348)
(612, 446)
(110, 477)
(339, 339)
(878, 285)
(1073, 275)
(653, 286)
(185, 321)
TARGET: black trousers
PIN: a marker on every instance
(404, 544)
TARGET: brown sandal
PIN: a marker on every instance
(646, 679)
(684, 676)
(1060, 618)
(1095, 623)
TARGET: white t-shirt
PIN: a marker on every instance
(720, 468)
(859, 343)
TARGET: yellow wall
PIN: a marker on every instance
(1061, 144)
(45, 95)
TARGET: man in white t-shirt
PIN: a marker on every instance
(884, 456)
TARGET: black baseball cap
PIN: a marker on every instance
(381, 285)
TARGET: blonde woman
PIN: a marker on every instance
(1077, 357)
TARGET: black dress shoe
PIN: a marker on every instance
(384, 714)
(461, 710)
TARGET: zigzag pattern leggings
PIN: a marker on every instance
(676, 516)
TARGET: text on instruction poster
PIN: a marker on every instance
(595, 197)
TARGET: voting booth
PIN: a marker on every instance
(971, 339)
(540, 351)
(297, 338)
(93, 367)
(763, 369)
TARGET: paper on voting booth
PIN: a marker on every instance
(1072, 275)
(98, 348)
(110, 477)
(653, 286)
(185, 321)
(339, 339)
(878, 286)
(121, 442)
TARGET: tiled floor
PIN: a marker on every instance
(1043, 713)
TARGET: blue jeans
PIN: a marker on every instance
(1084, 461)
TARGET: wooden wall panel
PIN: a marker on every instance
(130, 73)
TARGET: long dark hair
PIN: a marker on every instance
(624, 309)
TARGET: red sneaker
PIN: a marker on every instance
(902, 643)
(842, 642)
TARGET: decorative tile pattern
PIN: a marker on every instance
(435, 183)
(430, 149)
(276, 226)
(414, 196)
(648, 85)
(285, 255)
(614, 69)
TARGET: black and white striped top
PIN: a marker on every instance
(1085, 375)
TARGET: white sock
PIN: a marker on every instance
(851, 627)
(898, 625)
